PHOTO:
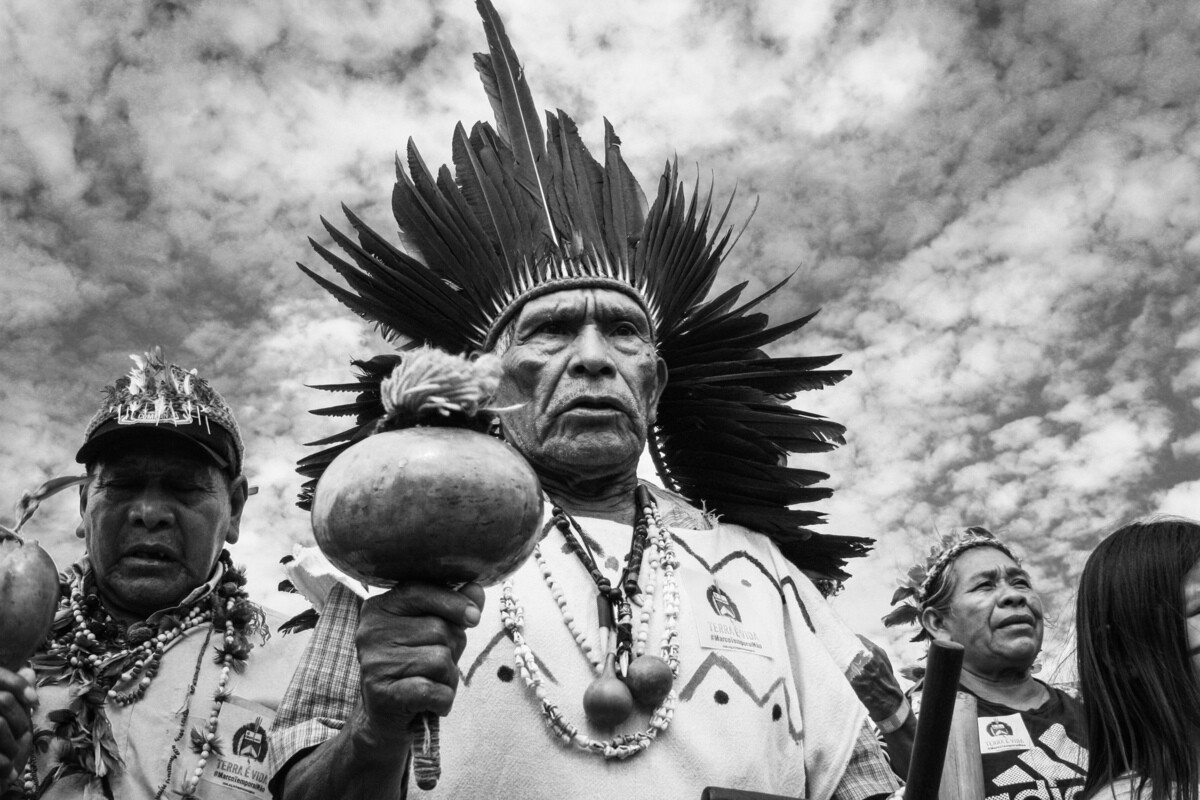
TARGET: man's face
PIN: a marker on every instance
(155, 519)
(994, 613)
(583, 367)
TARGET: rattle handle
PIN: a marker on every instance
(426, 749)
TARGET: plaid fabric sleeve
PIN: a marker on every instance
(324, 688)
(868, 774)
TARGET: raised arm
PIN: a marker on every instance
(877, 688)
(408, 642)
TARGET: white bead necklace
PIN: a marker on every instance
(662, 565)
(86, 657)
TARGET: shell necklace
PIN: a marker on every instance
(627, 673)
(107, 663)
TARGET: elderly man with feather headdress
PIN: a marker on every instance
(594, 303)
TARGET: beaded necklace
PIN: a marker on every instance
(108, 663)
(663, 583)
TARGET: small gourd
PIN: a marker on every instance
(28, 599)
(29, 588)
(607, 701)
(649, 680)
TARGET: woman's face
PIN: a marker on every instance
(994, 613)
(1191, 607)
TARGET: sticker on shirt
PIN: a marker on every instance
(998, 734)
(719, 614)
(242, 766)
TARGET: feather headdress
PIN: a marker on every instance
(528, 210)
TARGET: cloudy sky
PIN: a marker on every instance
(995, 205)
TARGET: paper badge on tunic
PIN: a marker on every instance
(998, 734)
(241, 770)
(723, 616)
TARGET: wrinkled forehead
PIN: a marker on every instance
(605, 304)
(985, 560)
(503, 325)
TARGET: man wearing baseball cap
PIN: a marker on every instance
(155, 681)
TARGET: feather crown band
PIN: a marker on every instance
(165, 397)
(528, 210)
(925, 578)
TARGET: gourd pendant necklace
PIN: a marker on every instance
(628, 674)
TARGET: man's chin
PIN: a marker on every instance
(138, 592)
(588, 451)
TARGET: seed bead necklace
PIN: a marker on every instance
(109, 664)
(663, 582)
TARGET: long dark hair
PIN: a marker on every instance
(1140, 691)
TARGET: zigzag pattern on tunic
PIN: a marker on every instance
(715, 661)
(742, 554)
(501, 635)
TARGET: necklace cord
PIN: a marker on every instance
(664, 565)
(108, 664)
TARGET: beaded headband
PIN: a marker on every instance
(559, 285)
(924, 578)
(527, 211)
(165, 398)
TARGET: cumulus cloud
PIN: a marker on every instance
(994, 204)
